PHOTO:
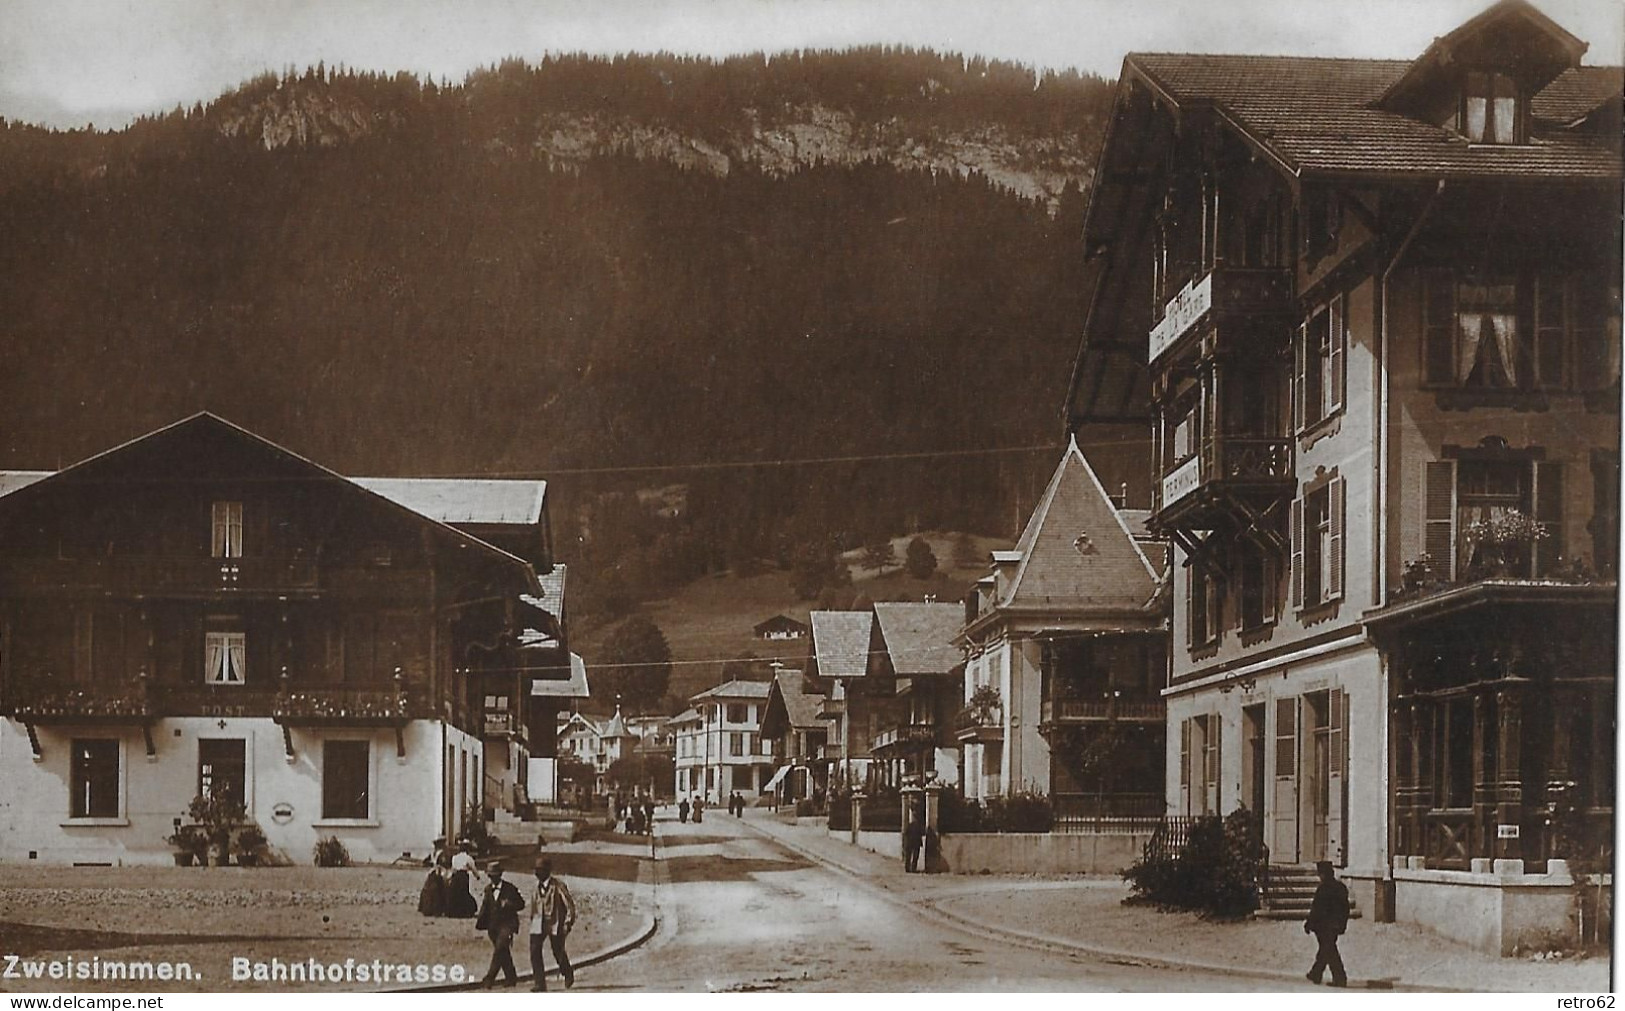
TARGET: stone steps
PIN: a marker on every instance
(1289, 893)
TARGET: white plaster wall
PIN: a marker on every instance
(405, 792)
(1358, 673)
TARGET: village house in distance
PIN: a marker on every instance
(1370, 311)
(202, 612)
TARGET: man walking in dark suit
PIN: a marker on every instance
(499, 918)
(1328, 918)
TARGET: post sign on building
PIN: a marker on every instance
(1506, 831)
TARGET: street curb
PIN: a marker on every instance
(647, 928)
(930, 910)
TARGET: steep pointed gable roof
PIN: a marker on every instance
(789, 703)
(841, 642)
(1077, 549)
(919, 638)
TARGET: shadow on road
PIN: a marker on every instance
(715, 867)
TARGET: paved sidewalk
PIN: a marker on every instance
(1086, 913)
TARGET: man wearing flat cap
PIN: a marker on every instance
(1328, 918)
(499, 918)
(552, 914)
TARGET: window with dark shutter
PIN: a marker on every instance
(1605, 511)
(1439, 523)
(1551, 332)
(345, 780)
(1334, 539)
(1548, 497)
(1439, 327)
(1297, 553)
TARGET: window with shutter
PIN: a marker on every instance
(1605, 511)
(1297, 553)
(1334, 555)
(1551, 332)
(1300, 382)
(1337, 345)
(1439, 327)
(1184, 764)
(1548, 496)
(1439, 523)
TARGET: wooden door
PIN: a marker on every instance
(1284, 806)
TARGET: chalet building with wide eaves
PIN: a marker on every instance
(200, 611)
(1369, 311)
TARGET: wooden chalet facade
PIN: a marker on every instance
(1370, 310)
(200, 611)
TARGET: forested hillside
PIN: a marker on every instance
(581, 265)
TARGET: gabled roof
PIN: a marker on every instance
(206, 425)
(1317, 115)
(1510, 30)
(1077, 549)
(735, 689)
(575, 688)
(778, 621)
(458, 500)
(686, 716)
(616, 727)
(841, 642)
(11, 480)
(789, 702)
(919, 638)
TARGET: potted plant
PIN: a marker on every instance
(1498, 543)
(191, 845)
(216, 816)
(250, 844)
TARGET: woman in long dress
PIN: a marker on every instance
(432, 899)
(460, 901)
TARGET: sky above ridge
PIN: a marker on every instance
(71, 62)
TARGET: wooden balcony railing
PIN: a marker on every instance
(1236, 290)
(168, 574)
(1238, 459)
(1099, 710)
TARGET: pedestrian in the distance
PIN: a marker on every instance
(913, 843)
(552, 914)
(682, 810)
(648, 816)
(1328, 918)
(499, 918)
(699, 810)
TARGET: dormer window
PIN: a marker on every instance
(1490, 112)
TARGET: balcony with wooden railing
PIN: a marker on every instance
(44, 699)
(1242, 292)
(166, 575)
(905, 735)
(1053, 712)
(1248, 467)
